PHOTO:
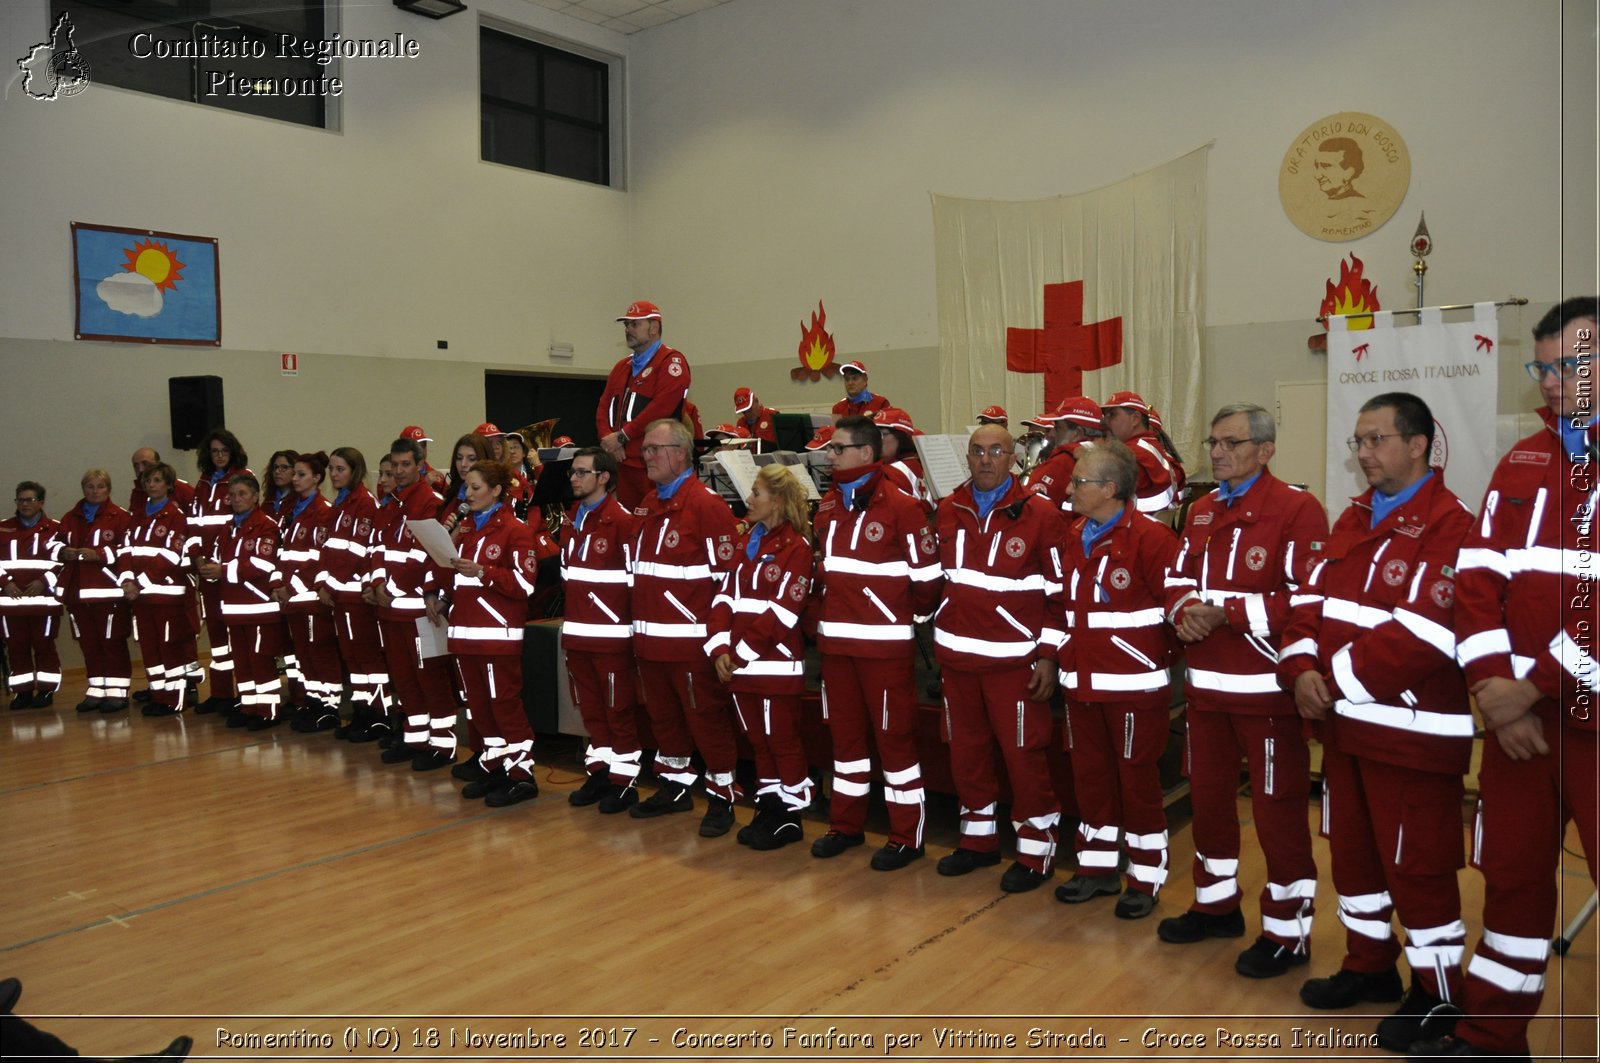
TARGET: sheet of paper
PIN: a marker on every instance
(944, 461)
(434, 539)
(431, 641)
(741, 469)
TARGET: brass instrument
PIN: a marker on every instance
(1031, 450)
(538, 436)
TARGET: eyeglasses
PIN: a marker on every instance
(655, 448)
(1563, 368)
(1079, 481)
(996, 451)
(282, 468)
(1225, 445)
(573, 473)
(839, 448)
(27, 501)
(1373, 440)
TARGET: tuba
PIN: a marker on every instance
(538, 436)
(1032, 448)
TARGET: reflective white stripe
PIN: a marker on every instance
(1147, 841)
(1097, 858)
(966, 577)
(1434, 634)
(1517, 948)
(99, 592)
(669, 631)
(1255, 609)
(1499, 975)
(1130, 619)
(757, 606)
(576, 574)
(254, 609)
(1575, 660)
(609, 631)
(982, 647)
(1419, 721)
(1297, 600)
(36, 601)
(1484, 643)
(1155, 503)
(1303, 889)
(1216, 893)
(1035, 846)
(1482, 557)
(672, 572)
(1109, 681)
(1221, 868)
(779, 668)
(485, 634)
(900, 778)
(1230, 683)
(1365, 903)
(1423, 957)
(1305, 646)
(1550, 559)
(1299, 929)
(977, 828)
(1353, 613)
(856, 567)
(1090, 833)
(868, 632)
(896, 796)
(850, 787)
(1344, 674)
(1151, 874)
(1375, 929)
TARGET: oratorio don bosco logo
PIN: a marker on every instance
(55, 68)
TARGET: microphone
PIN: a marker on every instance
(461, 513)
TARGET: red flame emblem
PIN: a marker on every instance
(1354, 294)
(816, 348)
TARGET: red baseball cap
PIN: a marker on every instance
(853, 367)
(743, 399)
(561, 441)
(487, 429)
(993, 415)
(641, 311)
(415, 433)
(1130, 399)
(895, 417)
(723, 430)
(822, 438)
(1082, 410)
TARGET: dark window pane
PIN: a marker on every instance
(544, 109)
(575, 151)
(512, 137)
(576, 89)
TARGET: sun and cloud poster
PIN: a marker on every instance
(144, 286)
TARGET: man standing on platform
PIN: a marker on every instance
(1526, 618)
(858, 398)
(1370, 655)
(1243, 553)
(878, 575)
(997, 634)
(686, 534)
(649, 384)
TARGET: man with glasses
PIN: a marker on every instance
(1243, 553)
(652, 382)
(685, 540)
(1074, 424)
(597, 631)
(30, 613)
(1526, 618)
(1370, 654)
(997, 634)
(878, 574)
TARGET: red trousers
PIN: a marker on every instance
(167, 644)
(256, 648)
(690, 710)
(493, 684)
(873, 700)
(985, 708)
(1280, 793)
(31, 651)
(102, 627)
(632, 482)
(217, 636)
(1522, 818)
(772, 724)
(422, 687)
(1395, 837)
(316, 648)
(361, 646)
(1116, 747)
(605, 692)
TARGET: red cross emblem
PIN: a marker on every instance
(1066, 347)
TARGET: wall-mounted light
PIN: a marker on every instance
(431, 8)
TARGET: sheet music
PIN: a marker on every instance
(434, 539)
(431, 641)
(944, 461)
(740, 465)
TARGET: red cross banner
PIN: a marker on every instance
(1083, 294)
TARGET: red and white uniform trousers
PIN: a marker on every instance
(871, 702)
(771, 722)
(604, 688)
(256, 646)
(165, 628)
(31, 650)
(493, 686)
(102, 626)
(1116, 747)
(424, 687)
(690, 709)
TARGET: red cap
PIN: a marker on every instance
(723, 430)
(853, 367)
(1155, 418)
(993, 415)
(641, 311)
(822, 438)
(1130, 399)
(895, 417)
(743, 399)
(561, 441)
(1081, 410)
(487, 429)
(415, 434)
(1038, 422)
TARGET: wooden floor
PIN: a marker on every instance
(169, 876)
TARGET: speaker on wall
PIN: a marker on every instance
(196, 405)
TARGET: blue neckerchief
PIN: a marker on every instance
(1383, 505)
(152, 508)
(666, 491)
(986, 499)
(300, 507)
(89, 512)
(642, 359)
(30, 523)
(338, 499)
(218, 475)
(461, 492)
(584, 509)
(1575, 440)
(1229, 495)
(849, 487)
(1094, 531)
(238, 518)
(758, 531)
(480, 519)
(865, 396)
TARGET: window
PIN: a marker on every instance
(544, 108)
(221, 53)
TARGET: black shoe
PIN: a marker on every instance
(966, 861)
(325, 718)
(1134, 904)
(142, 695)
(767, 806)
(670, 798)
(261, 723)
(1194, 926)
(512, 793)
(481, 788)
(619, 799)
(238, 718)
(592, 790)
(718, 819)
(1268, 959)
(835, 842)
(1020, 878)
(214, 704)
(1081, 888)
(1420, 1017)
(1452, 1047)
(43, 701)
(114, 705)
(10, 993)
(1347, 988)
(371, 731)
(22, 701)
(159, 708)
(776, 831)
(399, 753)
(469, 770)
(892, 857)
(432, 760)
(302, 721)
(393, 736)
(90, 704)
(178, 1049)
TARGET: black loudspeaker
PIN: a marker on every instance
(196, 405)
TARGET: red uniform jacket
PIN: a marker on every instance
(25, 558)
(155, 555)
(1250, 559)
(399, 563)
(764, 429)
(248, 554)
(879, 571)
(629, 404)
(342, 562)
(683, 544)
(300, 558)
(596, 563)
(1160, 478)
(488, 612)
(871, 408)
(210, 511)
(278, 507)
(906, 474)
(1525, 605)
(1377, 619)
(1052, 477)
(1118, 646)
(182, 493)
(756, 617)
(1002, 595)
(92, 580)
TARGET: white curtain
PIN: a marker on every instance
(1138, 246)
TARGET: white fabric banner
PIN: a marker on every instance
(1095, 292)
(1453, 368)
